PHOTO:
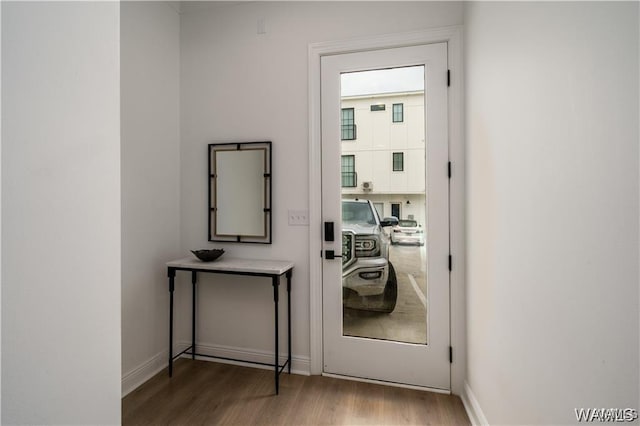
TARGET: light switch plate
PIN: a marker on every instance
(298, 217)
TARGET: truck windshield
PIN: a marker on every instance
(354, 212)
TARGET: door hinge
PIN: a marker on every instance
(450, 263)
(450, 355)
(449, 169)
(448, 78)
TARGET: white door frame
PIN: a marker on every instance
(453, 37)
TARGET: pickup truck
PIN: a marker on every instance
(368, 278)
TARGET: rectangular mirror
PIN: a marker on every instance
(240, 192)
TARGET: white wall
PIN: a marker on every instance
(60, 213)
(237, 85)
(552, 139)
(150, 69)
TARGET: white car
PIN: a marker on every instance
(407, 232)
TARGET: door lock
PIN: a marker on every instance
(328, 231)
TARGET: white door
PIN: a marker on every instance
(386, 288)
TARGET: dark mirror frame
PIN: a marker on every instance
(215, 178)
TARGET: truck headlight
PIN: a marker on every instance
(367, 245)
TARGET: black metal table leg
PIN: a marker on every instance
(193, 313)
(289, 314)
(172, 275)
(276, 282)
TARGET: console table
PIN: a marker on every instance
(273, 269)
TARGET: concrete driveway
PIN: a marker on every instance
(407, 322)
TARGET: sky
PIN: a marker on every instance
(382, 81)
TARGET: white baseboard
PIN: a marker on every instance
(472, 406)
(139, 375)
(299, 365)
(142, 373)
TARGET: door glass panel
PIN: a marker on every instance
(384, 279)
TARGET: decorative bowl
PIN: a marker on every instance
(208, 255)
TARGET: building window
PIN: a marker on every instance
(348, 124)
(395, 210)
(398, 161)
(349, 177)
(398, 113)
(378, 107)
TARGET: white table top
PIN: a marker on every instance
(230, 264)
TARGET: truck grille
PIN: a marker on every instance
(347, 247)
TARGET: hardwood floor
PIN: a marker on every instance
(210, 393)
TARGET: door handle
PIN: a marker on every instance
(331, 255)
